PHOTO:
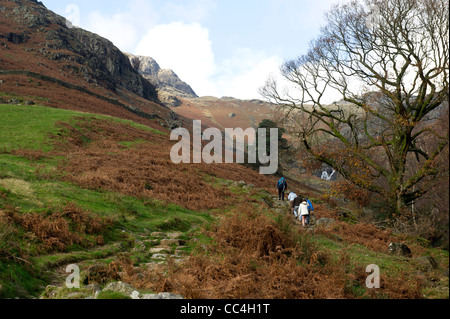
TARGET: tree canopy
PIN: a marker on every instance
(388, 61)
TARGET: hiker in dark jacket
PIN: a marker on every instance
(282, 186)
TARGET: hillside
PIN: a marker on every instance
(44, 61)
(102, 193)
(86, 179)
(225, 112)
(168, 84)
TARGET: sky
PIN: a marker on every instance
(219, 47)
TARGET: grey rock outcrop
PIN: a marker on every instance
(399, 249)
(88, 55)
(169, 85)
(120, 287)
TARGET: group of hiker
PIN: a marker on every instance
(301, 206)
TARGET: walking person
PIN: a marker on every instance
(291, 197)
(310, 209)
(303, 210)
(282, 186)
(295, 205)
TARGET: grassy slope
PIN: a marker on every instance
(29, 185)
(27, 127)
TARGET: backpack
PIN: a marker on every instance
(310, 206)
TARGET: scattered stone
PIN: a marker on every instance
(139, 246)
(120, 287)
(152, 242)
(157, 250)
(157, 234)
(50, 292)
(28, 102)
(174, 235)
(93, 287)
(135, 295)
(159, 256)
(399, 249)
(163, 295)
(231, 115)
(170, 242)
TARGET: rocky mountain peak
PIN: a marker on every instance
(169, 85)
(144, 64)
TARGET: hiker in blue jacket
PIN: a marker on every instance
(282, 186)
(310, 209)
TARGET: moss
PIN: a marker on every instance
(112, 295)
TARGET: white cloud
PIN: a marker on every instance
(117, 29)
(187, 49)
(242, 75)
(184, 48)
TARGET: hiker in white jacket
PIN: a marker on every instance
(304, 212)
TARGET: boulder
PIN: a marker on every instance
(163, 295)
(135, 295)
(399, 249)
(120, 287)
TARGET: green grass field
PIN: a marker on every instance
(25, 185)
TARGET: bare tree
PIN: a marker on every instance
(389, 61)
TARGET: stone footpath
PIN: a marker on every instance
(158, 247)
